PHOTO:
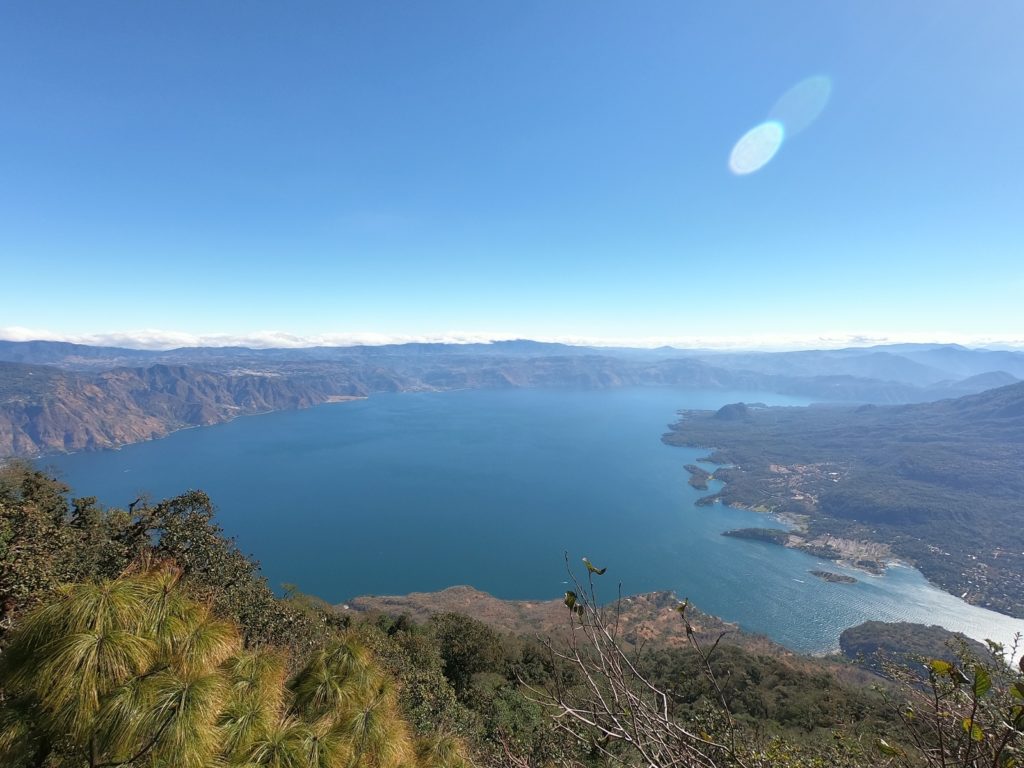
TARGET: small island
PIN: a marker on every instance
(698, 477)
(767, 535)
(834, 578)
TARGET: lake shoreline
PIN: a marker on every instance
(862, 555)
(489, 487)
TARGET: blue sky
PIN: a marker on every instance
(472, 169)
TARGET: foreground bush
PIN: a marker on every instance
(133, 671)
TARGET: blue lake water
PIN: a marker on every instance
(421, 491)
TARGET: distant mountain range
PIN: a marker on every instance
(56, 396)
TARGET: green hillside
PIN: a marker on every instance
(941, 483)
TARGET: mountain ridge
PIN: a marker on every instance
(59, 397)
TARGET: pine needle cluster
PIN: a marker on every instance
(134, 671)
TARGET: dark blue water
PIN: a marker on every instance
(417, 492)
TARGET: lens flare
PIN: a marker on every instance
(802, 104)
(794, 111)
(756, 147)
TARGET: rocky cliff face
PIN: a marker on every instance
(43, 410)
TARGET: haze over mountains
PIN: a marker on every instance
(56, 396)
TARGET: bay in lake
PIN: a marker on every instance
(421, 491)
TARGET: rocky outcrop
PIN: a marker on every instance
(649, 619)
(45, 410)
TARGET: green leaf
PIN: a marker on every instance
(940, 667)
(888, 749)
(1017, 689)
(570, 600)
(591, 568)
(982, 681)
(974, 729)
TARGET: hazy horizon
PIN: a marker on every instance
(158, 340)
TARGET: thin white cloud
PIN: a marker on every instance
(158, 339)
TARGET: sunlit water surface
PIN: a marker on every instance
(417, 492)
